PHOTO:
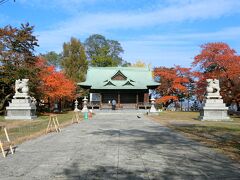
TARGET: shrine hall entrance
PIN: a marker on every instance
(124, 99)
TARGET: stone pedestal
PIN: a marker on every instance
(214, 110)
(21, 109)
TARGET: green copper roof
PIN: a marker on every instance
(128, 78)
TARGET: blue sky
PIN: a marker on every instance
(159, 32)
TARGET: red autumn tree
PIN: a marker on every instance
(173, 83)
(218, 60)
(54, 85)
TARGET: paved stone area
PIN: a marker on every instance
(116, 146)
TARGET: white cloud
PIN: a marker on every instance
(177, 13)
(169, 49)
(69, 6)
(230, 33)
(82, 24)
(158, 53)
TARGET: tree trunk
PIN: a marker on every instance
(3, 102)
(49, 104)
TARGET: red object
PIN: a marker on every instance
(89, 114)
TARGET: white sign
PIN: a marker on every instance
(95, 97)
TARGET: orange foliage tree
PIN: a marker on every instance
(218, 60)
(173, 83)
(53, 84)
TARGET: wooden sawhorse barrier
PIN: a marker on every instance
(76, 117)
(53, 124)
(8, 144)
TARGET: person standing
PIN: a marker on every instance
(114, 104)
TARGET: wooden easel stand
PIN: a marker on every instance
(8, 141)
(53, 124)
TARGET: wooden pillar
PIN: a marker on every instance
(137, 101)
(119, 100)
(100, 107)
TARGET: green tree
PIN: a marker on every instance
(126, 64)
(103, 52)
(74, 60)
(139, 63)
(53, 58)
(17, 60)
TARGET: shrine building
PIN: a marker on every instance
(129, 86)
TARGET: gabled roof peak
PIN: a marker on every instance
(109, 83)
(119, 76)
(128, 83)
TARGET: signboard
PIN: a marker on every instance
(95, 97)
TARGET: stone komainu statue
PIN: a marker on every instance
(21, 88)
(213, 88)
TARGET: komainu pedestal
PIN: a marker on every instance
(22, 106)
(21, 109)
(214, 109)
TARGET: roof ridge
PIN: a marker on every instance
(122, 68)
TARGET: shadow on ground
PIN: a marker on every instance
(75, 171)
(181, 158)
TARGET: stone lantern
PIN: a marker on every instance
(76, 106)
(153, 109)
(85, 109)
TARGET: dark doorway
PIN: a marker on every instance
(128, 98)
(106, 97)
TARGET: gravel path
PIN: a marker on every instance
(116, 146)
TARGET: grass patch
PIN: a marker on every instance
(223, 136)
(22, 130)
